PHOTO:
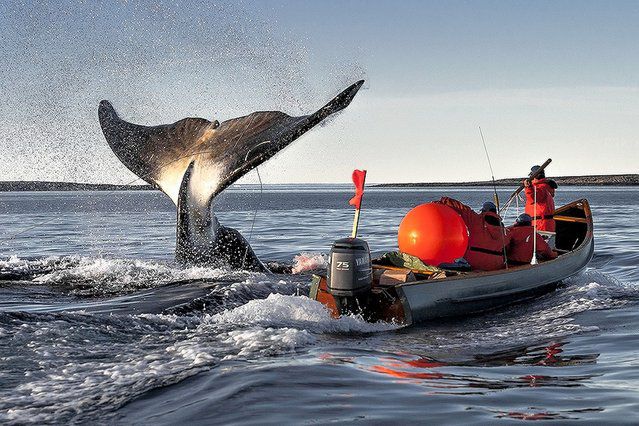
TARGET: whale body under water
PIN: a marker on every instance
(194, 159)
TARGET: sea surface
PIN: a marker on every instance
(99, 326)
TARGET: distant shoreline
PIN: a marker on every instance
(589, 180)
(68, 186)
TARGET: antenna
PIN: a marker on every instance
(492, 175)
(490, 165)
(533, 261)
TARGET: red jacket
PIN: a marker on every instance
(520, 249)
(545, 203)
(486, 238)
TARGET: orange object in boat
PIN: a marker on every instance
(433, 232)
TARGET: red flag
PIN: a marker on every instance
(359, 176)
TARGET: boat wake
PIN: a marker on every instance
(239, 316)
(547, 318)
(52, 374)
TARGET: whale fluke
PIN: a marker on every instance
(194, 159)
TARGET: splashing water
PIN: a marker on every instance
(309, 262)
(158, 62)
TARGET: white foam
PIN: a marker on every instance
(104, 276)
(606, 285)
(127, 271)
(266, 341)
(279, 310)
(13, 260)
(590, 289)
(16, 264)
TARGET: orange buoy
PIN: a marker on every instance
(433, 232)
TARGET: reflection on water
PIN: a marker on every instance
(437, 374)
(545, 415)
(549, 355)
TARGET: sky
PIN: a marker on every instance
(556, 79)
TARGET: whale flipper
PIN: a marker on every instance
(194, 159)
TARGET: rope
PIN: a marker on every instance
(257, 206)
(517, 206)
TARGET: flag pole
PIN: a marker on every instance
(355, 224)
(533, 261)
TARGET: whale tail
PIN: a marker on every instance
(194, 159)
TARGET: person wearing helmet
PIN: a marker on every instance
(487, 236)
(520, 247)
(545, 189)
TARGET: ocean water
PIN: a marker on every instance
(97, 325)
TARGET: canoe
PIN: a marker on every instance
(449, 294)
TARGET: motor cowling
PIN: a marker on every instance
(350, 274)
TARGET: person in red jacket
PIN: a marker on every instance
(545, 188)
(487, 236)
(520, 248)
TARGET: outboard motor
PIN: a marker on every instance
(350, 275)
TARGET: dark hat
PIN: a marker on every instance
(523, 219)
(534, 169)
(489, 206)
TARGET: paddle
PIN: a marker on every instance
(521, 187)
